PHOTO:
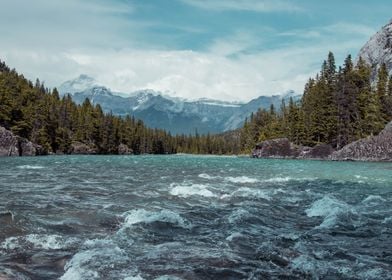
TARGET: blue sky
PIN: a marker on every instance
(225, 49)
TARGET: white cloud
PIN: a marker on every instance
(58, 40)
(226, 70)
(246, 5)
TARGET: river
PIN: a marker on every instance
(194, 217)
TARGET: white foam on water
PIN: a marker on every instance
(143, 216)
(374, 273)
(387, 220)
(373, 199)
(361, 177)
(30, 167)
(168, 277)
(304, 263)
(38, 241)
(248, 193)
(96, 255)
(233, 236)
(187, 191)
(137, 277)
(278, 180)
(329, 208)
(238, 215)
(242, 180)
(206, 176)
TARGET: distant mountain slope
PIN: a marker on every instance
(173, 114)
(378, 49)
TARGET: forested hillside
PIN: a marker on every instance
(338, 107)
(32, 111)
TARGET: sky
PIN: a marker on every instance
(232, 50)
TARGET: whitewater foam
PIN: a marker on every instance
(241, 180)
(187, 191)
(248, 193)
(30, 167)
(39, 241)
(143, 216)
(96, 256)
(206, 176)
(329, 208)
(234, 236)
(373, 199)
(238, 215)
(278, 180)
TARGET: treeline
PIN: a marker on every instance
(338, 107)
(32, 111)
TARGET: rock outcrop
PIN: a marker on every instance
(322, 151)
(276, 148)
(378, 50)
(79, 148)
(124, 150)
(8, 143)
(12, 145)
(373, 148)
(283, 148)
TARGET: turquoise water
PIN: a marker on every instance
(194, 217)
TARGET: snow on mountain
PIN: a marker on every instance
(81, 83)
(378, 49)
(179, 116)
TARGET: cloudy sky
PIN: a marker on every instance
(224, 49)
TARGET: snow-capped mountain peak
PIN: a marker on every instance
(81, 83)
(177, 115)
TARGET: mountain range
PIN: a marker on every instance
(175, 115)
(181, 116)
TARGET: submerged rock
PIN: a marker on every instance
(373, 148)
(12, 145)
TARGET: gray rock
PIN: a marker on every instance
(276, 148)
(283, 148)
(8, 143)
(79, 148)
(373, 148)
(124, 150)
(321, 151)
(27, 148)
(12, 145)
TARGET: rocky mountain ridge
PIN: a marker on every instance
(378, 50)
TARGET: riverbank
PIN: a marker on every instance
(372, 148)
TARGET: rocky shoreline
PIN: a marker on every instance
(373, 148)
(12, 145)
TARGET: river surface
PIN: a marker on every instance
(194, 217)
